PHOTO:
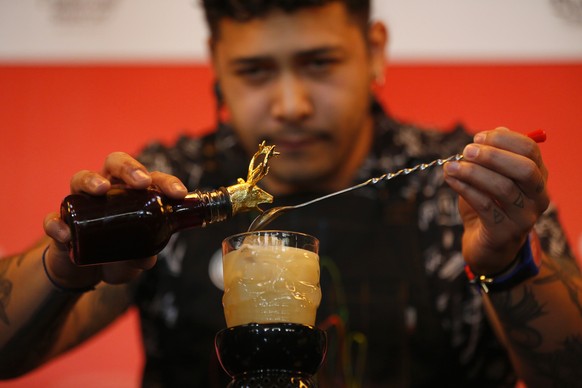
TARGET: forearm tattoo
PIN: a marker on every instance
(567, 274)
(30, 343)
(29, 346)
(5, 291)
(6, 286)
(518, 312)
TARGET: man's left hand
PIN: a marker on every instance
(501, 181)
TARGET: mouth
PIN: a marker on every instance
(296, 143)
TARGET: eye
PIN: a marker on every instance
(255, 73)
(320, 65)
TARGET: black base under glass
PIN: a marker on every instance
(271, 355)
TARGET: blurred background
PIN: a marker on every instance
(82, 78)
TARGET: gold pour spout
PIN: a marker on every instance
(245, 195)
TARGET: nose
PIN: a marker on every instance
(292, 102)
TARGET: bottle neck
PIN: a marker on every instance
(200, 209)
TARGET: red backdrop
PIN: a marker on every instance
(55, 120)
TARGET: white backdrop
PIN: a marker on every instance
(174, 30)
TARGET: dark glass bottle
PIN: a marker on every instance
(129, 224)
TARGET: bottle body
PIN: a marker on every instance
(129, 224)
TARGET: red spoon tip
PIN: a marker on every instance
(539, 135)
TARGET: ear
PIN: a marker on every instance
(217, 91)
(378, 41)
(216, 88)
(211, 47)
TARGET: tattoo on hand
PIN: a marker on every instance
(519, 201)
(498, 216)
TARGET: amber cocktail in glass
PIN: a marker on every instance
(271, 295)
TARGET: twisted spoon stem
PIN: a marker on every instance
(266, 217)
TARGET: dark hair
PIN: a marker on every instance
(244, 10)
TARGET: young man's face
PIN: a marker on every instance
(300, 81)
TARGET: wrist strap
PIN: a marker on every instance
(68, 290)
(526, 265)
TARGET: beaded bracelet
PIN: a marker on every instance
(526, 265)
(60, 288)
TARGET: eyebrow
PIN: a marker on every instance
(241, 61)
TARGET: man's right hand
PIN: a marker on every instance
(119, 169)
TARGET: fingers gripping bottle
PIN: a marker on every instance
(129, 224)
